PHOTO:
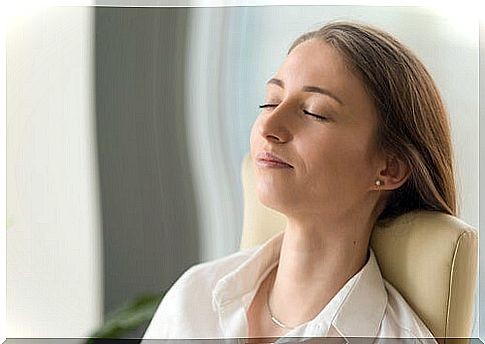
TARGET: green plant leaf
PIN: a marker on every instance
(128, 317)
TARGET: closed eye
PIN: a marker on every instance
(267, 105)
(316, 116)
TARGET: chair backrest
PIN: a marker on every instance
(429, 257)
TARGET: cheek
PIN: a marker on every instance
(355, 164)
(341, 159)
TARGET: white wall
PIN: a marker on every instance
(53, 245)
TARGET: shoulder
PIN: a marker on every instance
(193, 289)
(400, 320)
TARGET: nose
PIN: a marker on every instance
(275, 124)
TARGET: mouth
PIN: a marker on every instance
(271, 160)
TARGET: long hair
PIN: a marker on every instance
(412, 120)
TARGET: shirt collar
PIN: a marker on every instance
(360, 314)
(254, 269)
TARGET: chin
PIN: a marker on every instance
(271, 198)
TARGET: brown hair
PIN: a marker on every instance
(412, 120)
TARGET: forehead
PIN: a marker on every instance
(316, 63)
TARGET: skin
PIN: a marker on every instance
(329, 197)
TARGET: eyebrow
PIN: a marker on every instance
(313, 89)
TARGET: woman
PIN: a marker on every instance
(352, 132)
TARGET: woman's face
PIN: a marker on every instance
(333, 158)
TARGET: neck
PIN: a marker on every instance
(315, 263)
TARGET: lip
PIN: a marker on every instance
(269, 159)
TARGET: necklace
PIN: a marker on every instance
(273, 318)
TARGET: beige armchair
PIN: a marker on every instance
(430, 257)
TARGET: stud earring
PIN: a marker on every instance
(378, 183)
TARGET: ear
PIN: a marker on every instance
(394, 174)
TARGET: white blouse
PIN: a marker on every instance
(210, 300)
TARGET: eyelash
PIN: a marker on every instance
(317, 117)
